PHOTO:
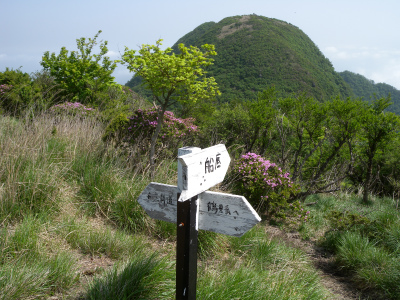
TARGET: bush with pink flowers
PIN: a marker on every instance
(266, 186)
(135, 132)
(145, 122)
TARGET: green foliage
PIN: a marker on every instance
(116, 127)
(245, 123)
(173, 78)
(83, 75)
(317, 139)
(18, 92)
(378, 129)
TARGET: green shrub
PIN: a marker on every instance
(18, 92)
(116, 127)
(345, 220)
(82, 75)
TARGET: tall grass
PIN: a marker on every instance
(28, 170)
(374, 267)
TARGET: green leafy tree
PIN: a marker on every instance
(172, 78)
(379, 128)
(317, 140)
(82, 74)
(261, 113)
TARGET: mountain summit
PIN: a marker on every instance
(255, 52)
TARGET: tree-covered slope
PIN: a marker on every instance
(255, 52)
(366, 89)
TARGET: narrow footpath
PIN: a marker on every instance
(337, 284)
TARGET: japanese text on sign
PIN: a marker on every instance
(211, 165)
(219, 208)
(162, 199)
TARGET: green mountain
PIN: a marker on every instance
(366, 89)
(255, 52)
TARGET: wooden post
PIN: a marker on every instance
(187, 232)
(186, 249)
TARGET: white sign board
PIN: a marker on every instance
(218, 212)
(202, 170)
(227, 214)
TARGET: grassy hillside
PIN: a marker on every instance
(255, 52)
(366, 89)
(71, 227)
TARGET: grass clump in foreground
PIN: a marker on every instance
(26, 268)
(141, 277)
(66, 198)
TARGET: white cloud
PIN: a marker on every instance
(374, 63)
(388, 73)
(113, 54)
(350, 52)
(122, 75)
(331, 49)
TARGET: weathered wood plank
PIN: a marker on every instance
(159, 201)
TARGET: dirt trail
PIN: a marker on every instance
(338, 285)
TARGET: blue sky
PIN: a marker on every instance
(359, 36)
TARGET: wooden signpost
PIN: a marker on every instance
(192, 207)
